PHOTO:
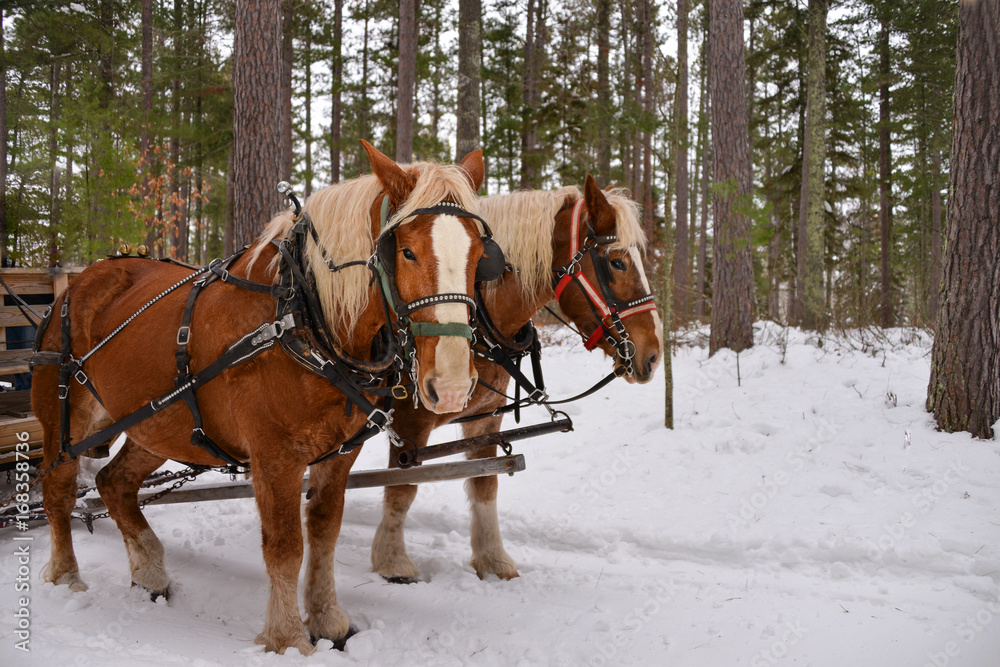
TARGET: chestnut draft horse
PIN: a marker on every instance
(270, 411)
(546, 237)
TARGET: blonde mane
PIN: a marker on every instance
(341, 215)
(523, 223)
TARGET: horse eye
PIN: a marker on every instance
(618, 264)
(408, 254)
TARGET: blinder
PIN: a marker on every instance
(491, 265)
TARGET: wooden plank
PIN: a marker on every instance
(28, 281)
(10, 427)
(437, 473)
(8, 458)
(10, 316)
(357, 480)
(14, 361)
(60, 281)
(15, 403)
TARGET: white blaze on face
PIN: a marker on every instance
(657, 326)
(451, 246)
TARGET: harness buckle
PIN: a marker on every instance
(287, 322)
(620, 371)
(81, 377)
(64, 311)
(63, 392)
(183, 335)
(399, 392)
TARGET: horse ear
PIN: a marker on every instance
(601, 213)
(396, 181)
(474, 167)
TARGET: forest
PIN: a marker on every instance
(118, 118)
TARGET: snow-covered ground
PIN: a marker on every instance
(809, 515)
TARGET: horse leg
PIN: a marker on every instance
(278, 491)
(488, 554)
(59, 483)
(389, 557)
(59, 499)
(324, 514)
(118, 483)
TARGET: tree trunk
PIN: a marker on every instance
(964, 394)
(146, 139)
(706, 170)
(467, 137)
(668, 368)
(436, 82)
(338, 74)
(604, 92)
(732, 276)
(637, 92)
(407, 76)
(229, 233)
(885, 169)
(810, 297)
(649, 110)
(626, 133)
(3, 144)
(533, 50)
(681, 152)
(287, 65)
(307, 134)
(256, 138)
(176, 216)
(801, 227)
(363, 130)
(935, 287)
(54, 205)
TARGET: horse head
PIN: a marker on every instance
(601, 282)
(429, 249)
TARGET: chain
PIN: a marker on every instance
(39, 475)
(182, 477)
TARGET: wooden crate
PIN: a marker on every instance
(15, 406)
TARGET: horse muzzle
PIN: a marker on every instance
(443, 395)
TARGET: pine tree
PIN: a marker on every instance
(732, 286)
(407, 75)
(469, 48)
(256, 141)
(963, 392)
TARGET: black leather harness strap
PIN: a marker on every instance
(249, 346)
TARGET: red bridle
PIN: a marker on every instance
(603, 300)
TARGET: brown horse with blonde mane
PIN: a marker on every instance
(269, 411)
(543, 234)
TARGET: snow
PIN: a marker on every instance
(804, 511)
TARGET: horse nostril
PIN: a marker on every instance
(651, 362)
(432, 394)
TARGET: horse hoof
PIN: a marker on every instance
(279, 646)
(154, 595)
(71, 579)
(339, 644)
(401, 580)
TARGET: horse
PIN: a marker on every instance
(543, 233)
(270, 411)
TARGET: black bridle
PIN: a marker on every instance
(299, 327)
(605, 304)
